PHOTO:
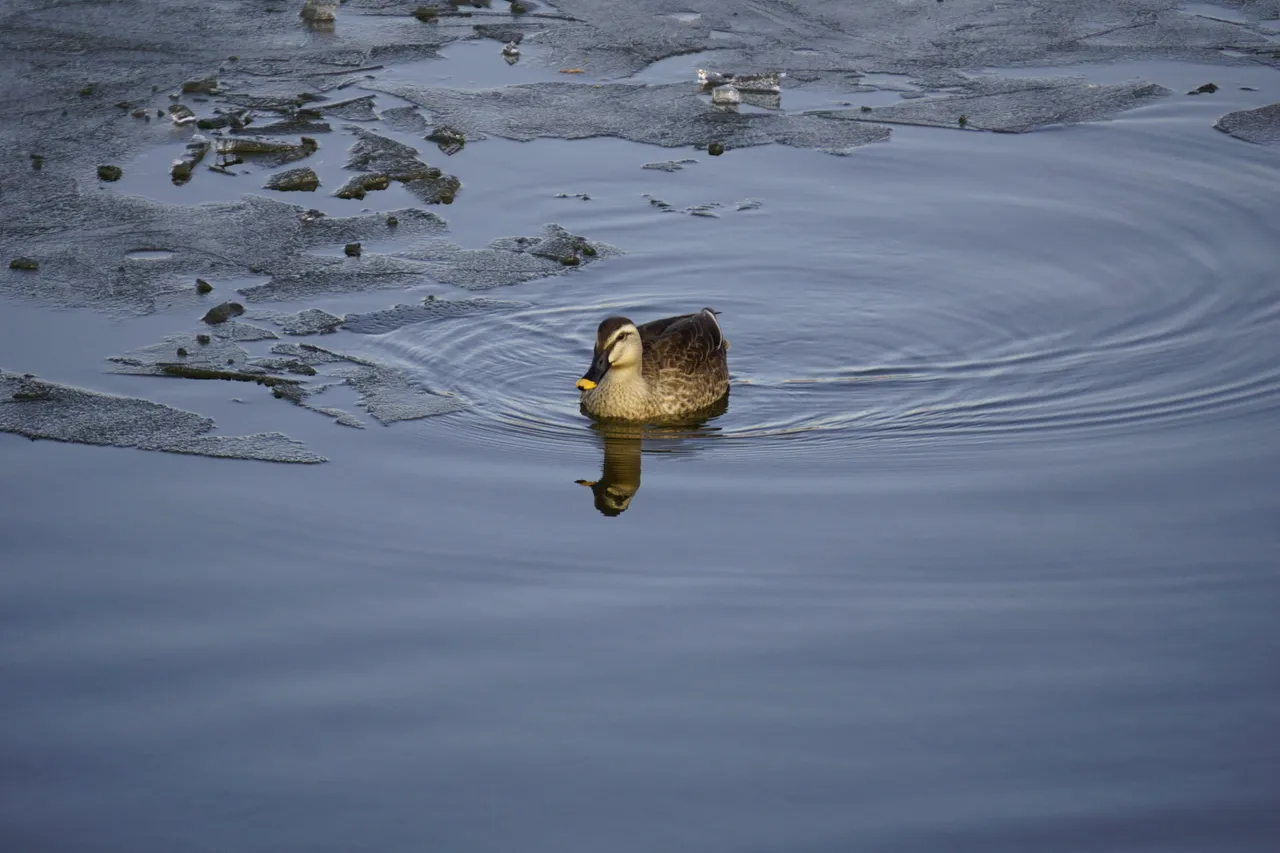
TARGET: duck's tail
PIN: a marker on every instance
(711, 314)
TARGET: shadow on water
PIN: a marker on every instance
(624, 444)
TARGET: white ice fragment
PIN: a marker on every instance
(767, 82)
(711, 78)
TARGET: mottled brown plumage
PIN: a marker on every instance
(662, 371)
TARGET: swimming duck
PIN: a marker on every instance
(662, 371)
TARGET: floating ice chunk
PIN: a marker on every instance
(725, 95)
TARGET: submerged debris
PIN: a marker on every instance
(268, 151)
(203, 287)
(290, 365)
(222, 313)
(1206, 89)
(669, 165)
(181, 114)
(448, 139)
(109, 173)
(352, 250)
(511, 52)
(319, 11)
(715, 149)
(183, 166)
(207, 86)
(234, 119)
(426, 14)
(707, 210)
(27, 388)
(24, 264)
(187, 371)
(294, 180)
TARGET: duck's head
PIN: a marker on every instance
(617, 347)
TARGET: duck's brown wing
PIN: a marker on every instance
(688, 343)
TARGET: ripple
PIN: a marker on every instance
(1046, 307)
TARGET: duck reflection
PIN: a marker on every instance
(625, 442)
(619, 476)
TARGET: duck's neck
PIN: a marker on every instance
(624, 384)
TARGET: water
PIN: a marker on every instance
(981, 556)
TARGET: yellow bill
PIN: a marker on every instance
(585, 384)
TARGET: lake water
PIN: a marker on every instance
(982, 556)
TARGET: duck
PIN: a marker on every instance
(663, 371)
